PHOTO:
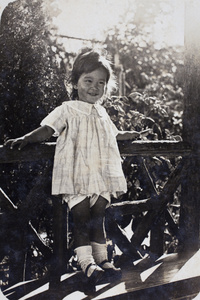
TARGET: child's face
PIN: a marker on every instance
(92, 86)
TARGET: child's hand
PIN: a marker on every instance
(22, 142)
(144, 133)
(131, 135)
(40, 134)
(139, 134)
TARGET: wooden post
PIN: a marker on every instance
(157, 230)
(190, 204)
(157, 236)
(60, 259)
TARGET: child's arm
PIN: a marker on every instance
(130, 135)
(38, 135)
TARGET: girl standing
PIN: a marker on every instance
(87, 164)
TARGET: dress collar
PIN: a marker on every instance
(86, 107)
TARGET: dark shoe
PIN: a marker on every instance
(111, 272)
(90, 282)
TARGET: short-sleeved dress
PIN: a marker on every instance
(87, 159)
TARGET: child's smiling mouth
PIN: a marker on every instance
(93, 94)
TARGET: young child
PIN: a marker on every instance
(87, 164)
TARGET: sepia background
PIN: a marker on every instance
(39, 40)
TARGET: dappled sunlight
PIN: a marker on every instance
(75, 295)
(144, 275)
(37, 292)
(190, 269)
(120, 288)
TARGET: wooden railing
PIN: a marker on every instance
(138, 148)
(155, 206)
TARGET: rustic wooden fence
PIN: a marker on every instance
(18, 220)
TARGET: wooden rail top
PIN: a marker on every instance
(137, 148)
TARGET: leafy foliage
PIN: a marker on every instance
(32, 80)
(153, 73)
(32, 72)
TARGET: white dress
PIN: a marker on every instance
(87, 159)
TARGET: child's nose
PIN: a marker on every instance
(95, 85)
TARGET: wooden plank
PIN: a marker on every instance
(131, 207)
(154, 148)
(137, 148)
(32, 152)
(173, 290)
(169, 277)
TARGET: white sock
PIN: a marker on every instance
(84, 255)
(99, 252)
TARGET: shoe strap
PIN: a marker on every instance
(87, 268)
(103, 262)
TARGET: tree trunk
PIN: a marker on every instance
(190, 213)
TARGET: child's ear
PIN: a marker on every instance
(106, 90)
(76, 87)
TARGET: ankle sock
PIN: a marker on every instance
(99, 252)
(84, 255)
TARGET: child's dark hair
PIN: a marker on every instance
(87, 61)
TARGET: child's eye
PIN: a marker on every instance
(88, 80)
(102, 82)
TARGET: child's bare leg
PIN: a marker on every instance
(97, 233)
(83, 249)
(81, 219)
(98, 238)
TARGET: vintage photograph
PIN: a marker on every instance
(100, 149)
